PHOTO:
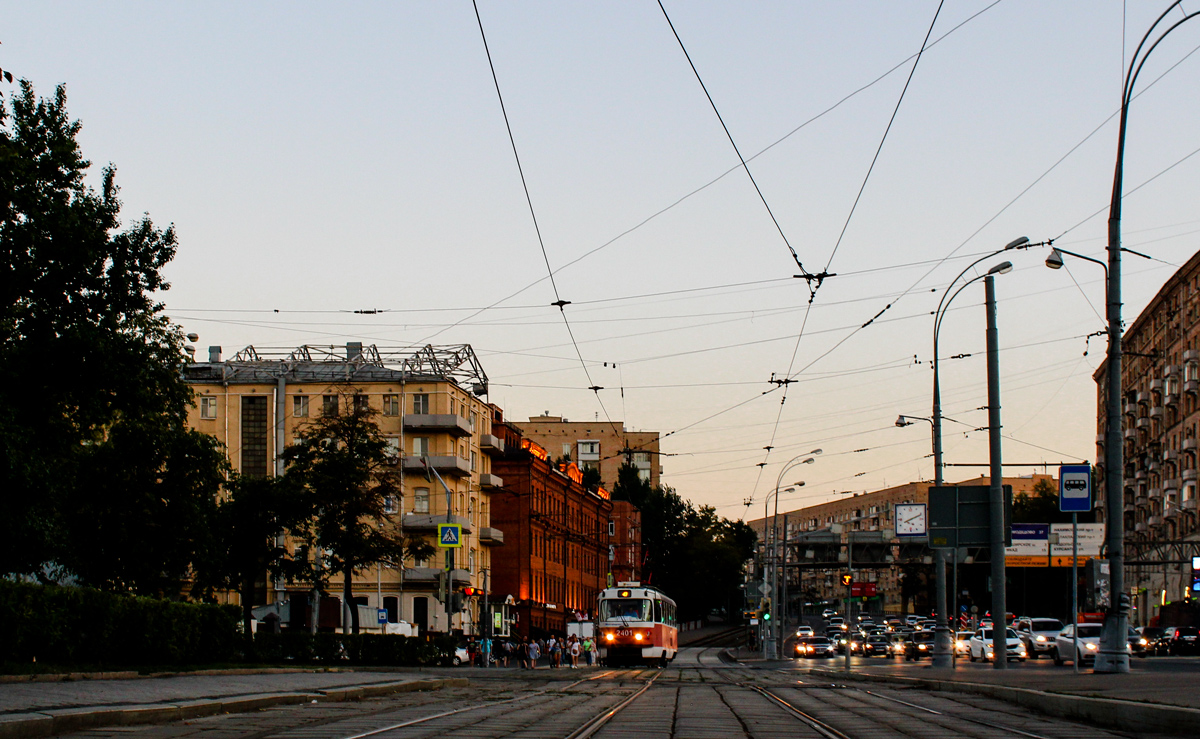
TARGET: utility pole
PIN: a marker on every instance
(783, 601)
(996, 490)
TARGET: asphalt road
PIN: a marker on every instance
(698, 696)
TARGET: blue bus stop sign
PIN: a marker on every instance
(381, 614)
(1075, 488)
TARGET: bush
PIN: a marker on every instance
(84, 626)
(382, 650)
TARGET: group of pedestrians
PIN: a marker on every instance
(559, 652)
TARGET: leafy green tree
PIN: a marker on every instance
(348, 474)
(250, 526)
(90, 393)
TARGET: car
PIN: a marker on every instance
(1065, 647)
(911, 619)
(1038, 635)
(919, 645)
(813, 647)
(1139, 646)
(1154, 637)
(962, 643)
(804, 630)
(981, 646)
(877, 645)
(461, 656)
(828, 613)
(853, 641)
(835, 621)
(1183, 640)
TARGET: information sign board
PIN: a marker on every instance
(1091, 538)
(959, 516)
(1030, 546)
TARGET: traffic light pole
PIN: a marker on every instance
(449, 550)
(848, 622)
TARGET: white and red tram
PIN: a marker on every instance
(636, 624)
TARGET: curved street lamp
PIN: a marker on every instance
(943, 650)
(775, 647)
(1112, 656)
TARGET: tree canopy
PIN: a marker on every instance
(692, 554)
(102, 479)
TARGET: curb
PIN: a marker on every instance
(1107, 712)
(67, 720)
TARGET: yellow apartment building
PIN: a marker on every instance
(429, 403)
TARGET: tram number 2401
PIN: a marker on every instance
(624, 632)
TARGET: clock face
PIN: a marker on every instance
(910, 519)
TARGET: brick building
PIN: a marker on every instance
(597, 444)
(555, 559)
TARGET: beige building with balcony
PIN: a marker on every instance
(597, 444)
(1160, 381)
(429, 405)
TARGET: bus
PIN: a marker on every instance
(636, 625)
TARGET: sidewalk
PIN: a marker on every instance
(36, 709)
(1155, 696)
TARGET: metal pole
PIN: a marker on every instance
(996, 491)
(487, 618)
(783, 601)
(941, 636)
(849, 620)
(1075, 589)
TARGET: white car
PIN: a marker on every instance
(1088, 644)
(981, 646)
(804, 630)
(1038, 635)
(962, 643)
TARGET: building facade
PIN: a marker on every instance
(556, 557)
(429, 407)
(1160, 382)
(597, 444)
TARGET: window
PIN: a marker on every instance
(362, 403)
(421, 504)
(391, 604)
(566, 450)
(389, 505)
(643, 474)
(641, 457)
(208, 408)
(391, 405)
(472, 460)
(421, 403)
(589, 451)
(471, 561)
(329, 405)
(392, 451)
(300, 406)
(420, 446)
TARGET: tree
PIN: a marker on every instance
(248, 544)
(89, 370)
(345, 469)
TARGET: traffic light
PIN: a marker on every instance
(458, 602)
(440, 593)
(847, 579)
(471, 592)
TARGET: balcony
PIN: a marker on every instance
(1130, 508)
(431, 423)
(1130, 434)
(1157, 412)
(1143, 397)
(452, 466)
(1187, 445)
(1170, 455)
(1155, 520)
(1155, 492)
(1171, 399)
(1144, 423)
(490, 482)
(1189, 505)
(1170, 369)
(490, 537)
(1188, 475)
(1141, 526)
(1191, 386)
(491, 445)
(1141, 498)
(1191, 355)
(1156, 385)
(427, 522)
(1172, 485)
(1131, 409)
(414, 575)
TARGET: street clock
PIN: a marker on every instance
(911, 519)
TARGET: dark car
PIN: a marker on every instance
(1183, 640)
(814, 646)
(1156, 643)
(918, 646)
(877, 645)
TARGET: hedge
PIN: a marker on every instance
(363, 649)
(81, 626)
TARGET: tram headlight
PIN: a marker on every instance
(609, 636)
(638, 636)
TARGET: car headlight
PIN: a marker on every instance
(1143, 642)
(1091, 646)
(1041, 639)
(921, 647)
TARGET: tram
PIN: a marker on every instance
(636, 624)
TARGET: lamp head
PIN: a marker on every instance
(1055, 260)
(1017, 242)
(901, 421)
(1001, 269)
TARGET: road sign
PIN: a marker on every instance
(960, 516)
(847, 579)
(764, 588)
(449, 535)
(1091, 538)
(1030, 546)
(863, 590)
(381, 615)
(1075, 488)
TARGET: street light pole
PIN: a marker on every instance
(774, 635)
(996, 489)
(943, 645)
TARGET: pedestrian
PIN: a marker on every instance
(574, 650)
(506, 652)
(534, 653)
(523, 653)
(555, 652)
(588, 646)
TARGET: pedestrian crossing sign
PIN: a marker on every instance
(449, 535)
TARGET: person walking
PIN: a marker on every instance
(534, 653)
(588, 646)
(573, 647)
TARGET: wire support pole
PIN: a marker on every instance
(1112, 656)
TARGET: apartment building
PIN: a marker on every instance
(556, 559)
(1160, 380)
(429, 406)
(600, 444)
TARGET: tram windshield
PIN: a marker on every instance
(629, 609)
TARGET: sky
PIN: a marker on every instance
(320, 159)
